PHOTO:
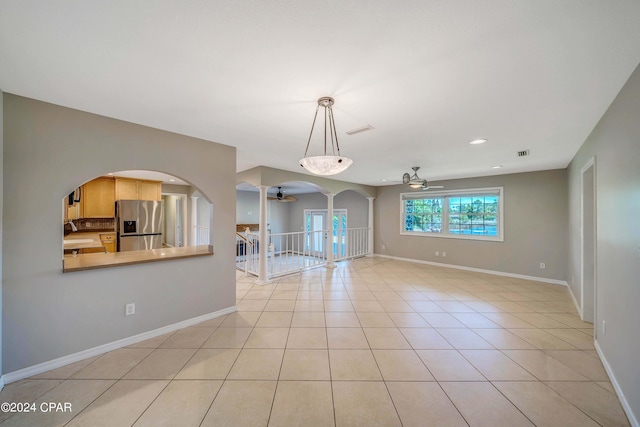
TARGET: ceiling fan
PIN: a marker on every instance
(415, 181)
(280, 197)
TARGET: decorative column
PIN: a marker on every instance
(264, 247)
(370, 240)
(329, 239)
(194, 221)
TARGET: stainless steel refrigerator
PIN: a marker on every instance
(140, 224)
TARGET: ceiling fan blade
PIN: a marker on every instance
(283, 198)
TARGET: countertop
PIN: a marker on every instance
(94, 236)
(113, 259)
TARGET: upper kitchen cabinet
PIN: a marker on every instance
(150, 190)
(138, 189)
(98, 198)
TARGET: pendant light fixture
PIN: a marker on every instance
(329, 163)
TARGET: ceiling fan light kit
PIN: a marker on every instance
(280, 197)
(415, 181)
(327, 164)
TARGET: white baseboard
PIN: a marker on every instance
(478, 270)
(96, 351)
(623, 400)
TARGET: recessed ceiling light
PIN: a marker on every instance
(110, 174)
(496, 167)
(383, 179)
(478, 141)
(172, 180)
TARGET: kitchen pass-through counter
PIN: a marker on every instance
(91, 261)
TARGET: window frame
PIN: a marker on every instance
(445, 195)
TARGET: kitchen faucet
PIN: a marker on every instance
(73, 226)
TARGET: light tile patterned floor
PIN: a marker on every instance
(373, 342)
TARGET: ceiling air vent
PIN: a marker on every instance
(523, 153)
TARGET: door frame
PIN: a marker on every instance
(588, 237)
(183, 198)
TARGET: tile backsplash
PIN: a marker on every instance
(91, 224)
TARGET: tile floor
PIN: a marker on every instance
(373, 342)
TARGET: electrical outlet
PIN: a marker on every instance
(437, 253)
(130, 309)
(444, 254)
(604, 327)
(543, 266)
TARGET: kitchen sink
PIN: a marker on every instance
(67, 241)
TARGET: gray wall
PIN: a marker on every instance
(615, 143)
(535, 227)
(247, 207)
(357, 208)
(248, 211)
(278, 216)
(48, 149)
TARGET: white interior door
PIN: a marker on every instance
(315, 226)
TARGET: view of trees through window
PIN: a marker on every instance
(453, 214)
(423, 215)
(473, 215)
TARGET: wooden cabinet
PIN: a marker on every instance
(138, 189)
(126, 189)
(91, 251)
(72, 212)
(150, 190)
(98, 198)
(108, 241)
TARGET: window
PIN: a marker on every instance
(463, 214)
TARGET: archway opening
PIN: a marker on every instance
(141, 213)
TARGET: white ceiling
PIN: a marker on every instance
(429, 76)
